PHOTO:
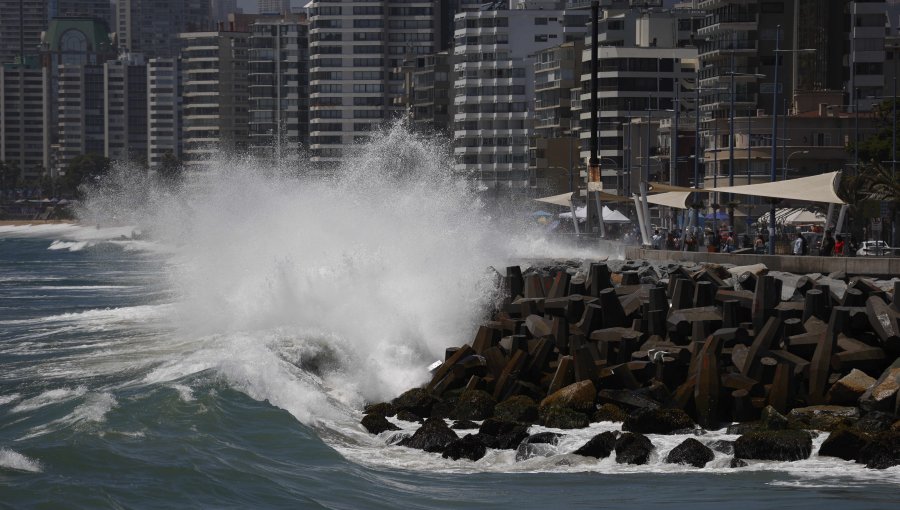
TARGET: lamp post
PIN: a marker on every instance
(787, 162)
(774, 175)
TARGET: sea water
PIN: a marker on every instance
(212, 345)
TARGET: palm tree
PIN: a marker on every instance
(879, 183)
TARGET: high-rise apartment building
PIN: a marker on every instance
(98, 9)
(273, 6)
(495, 88)
(21, 24)
(220, 9)
(357, 51)
(215, 99)
(868, 21)
(125, 101)
(151, 27)
(80, 113)
(278, 87)
(428, 92)
(163, 110)
(25, 117)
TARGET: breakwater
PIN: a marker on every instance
(774, 357)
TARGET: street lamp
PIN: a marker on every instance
(774, 169)
(787, 161)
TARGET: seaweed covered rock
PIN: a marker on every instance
(579, 396)
(657, 421)
(690, 452)
(433, 436)
(771, 419)
(564, 418)
(474, 405)
(469, 447)
(633, 448)
(609, 412)
(377, 423)
(518, 408)
(844, 443)
(416, 401)
(784, 445)
(827, 418)
(599, 446)
(882, 452)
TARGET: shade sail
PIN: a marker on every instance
(660, 187)
(676, 199)
(816, 188)
(564, 199)
(609, 216)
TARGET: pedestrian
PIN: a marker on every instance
(799, 247)
(827, 248)
(838, 246)
(759, 245)
(656, 240)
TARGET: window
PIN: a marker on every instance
(540, 21)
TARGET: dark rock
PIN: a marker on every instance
(774, 445)
(741, 428)
(847, 390)
(377, 423)
(658, 421)
(468, 447)
(506, 434)
(564, 418)
(874, 422)
(691, 452)
(722, 446)
(409, 416)
(433, 436)
(416, 401)
(599, 446)
(518, 408)
(464, 425)
(443, 408)
(844, 443)
(633, 448)
(537, 445)
(382, 408)
(737, 463)
(609, 412)
(770, 419)
(882, 452)
(474, 405)
(827, 418)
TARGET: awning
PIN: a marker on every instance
(817, 188)
(564, 199)
(676, 199)
(659, 187)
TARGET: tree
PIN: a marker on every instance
(9, 176)
(878, 147)
(85, 169)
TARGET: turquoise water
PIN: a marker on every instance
(109, 400)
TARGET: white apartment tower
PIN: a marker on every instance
(215, 94)
(494, 88)
(25, 117)
(278, 87)
(356, 54)
(125, 119)
(163, 110)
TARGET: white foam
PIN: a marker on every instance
(49, 397)
(69, 245)
(13, 460)
(6, 399)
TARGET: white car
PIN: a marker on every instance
(874, 248)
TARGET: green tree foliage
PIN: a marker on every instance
(878, 147)
(85, 169)
(9, 175)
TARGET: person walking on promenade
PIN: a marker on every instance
(827, 248)
(838, 246)
(799, 247)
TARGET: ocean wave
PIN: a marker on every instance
(13, 460)
(49, 397)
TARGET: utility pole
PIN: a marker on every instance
(774, 175)
(594, 171)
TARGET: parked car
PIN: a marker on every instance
(874, 248)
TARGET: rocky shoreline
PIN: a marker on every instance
(668, 349)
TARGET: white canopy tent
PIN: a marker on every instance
(609, 216)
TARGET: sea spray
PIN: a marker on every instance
(346, 284)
